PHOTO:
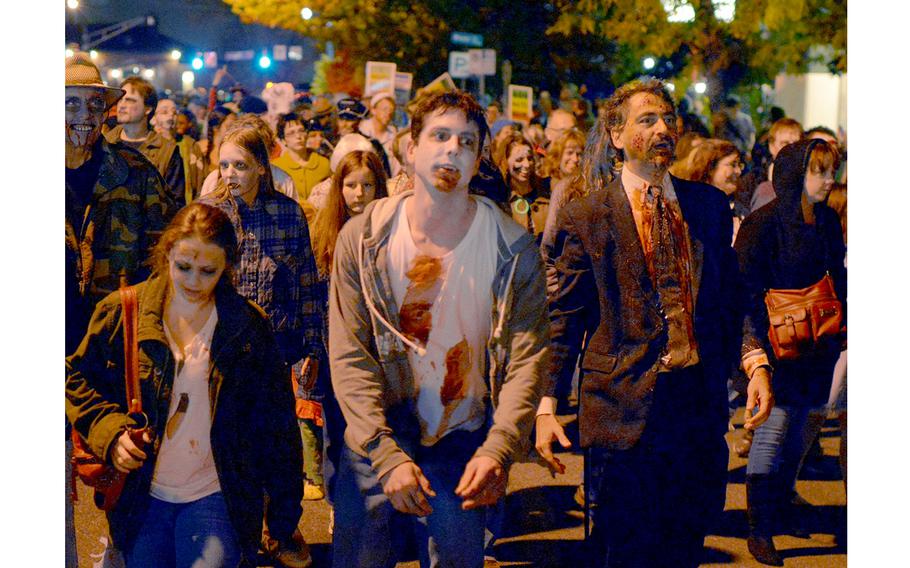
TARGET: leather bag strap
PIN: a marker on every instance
(131, 347)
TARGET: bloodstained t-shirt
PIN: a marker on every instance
(444, 306)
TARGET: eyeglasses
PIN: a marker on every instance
(94, 104)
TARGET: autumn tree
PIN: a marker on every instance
(727, 42)
(406, 32)
(415, 35)
(597, 42)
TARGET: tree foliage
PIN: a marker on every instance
(764, 38)
(582, 41)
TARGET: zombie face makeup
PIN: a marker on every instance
(520, 163)
(447, 153)
(85, 108)
(648, 136)
(165, 116)
(195, 267)
(239, 171)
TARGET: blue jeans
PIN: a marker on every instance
(781, 443)
(369, 532)
(183, 535)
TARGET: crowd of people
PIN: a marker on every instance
(387, 307)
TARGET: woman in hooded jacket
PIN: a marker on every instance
(790, 243)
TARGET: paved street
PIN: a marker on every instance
(547, 526)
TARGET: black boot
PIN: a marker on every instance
(761, 503)
(796, 515)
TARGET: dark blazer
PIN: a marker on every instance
(600, 292)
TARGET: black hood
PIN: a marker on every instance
(789, 177)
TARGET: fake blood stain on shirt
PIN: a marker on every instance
(458, 362)
(415, 316)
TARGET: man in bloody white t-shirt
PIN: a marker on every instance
(438, 338)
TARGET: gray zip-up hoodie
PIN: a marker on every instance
(371, 374)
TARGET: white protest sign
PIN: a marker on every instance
(483, 61)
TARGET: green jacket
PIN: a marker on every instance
(255, 438)
(371, 374)
(128, 211)
(165, 156)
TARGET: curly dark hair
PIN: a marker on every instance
(602, 160)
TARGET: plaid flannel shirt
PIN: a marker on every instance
(277, 270)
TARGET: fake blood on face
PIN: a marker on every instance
(446, 179)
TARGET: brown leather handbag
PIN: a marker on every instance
(801, 320)
(106, 480)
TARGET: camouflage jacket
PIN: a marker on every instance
(164, 154)
(128, 210)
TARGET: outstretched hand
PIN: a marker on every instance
(408, 489)
(483, 483)
(549, 429)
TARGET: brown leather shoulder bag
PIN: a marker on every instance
(801, 320)
(106, 480)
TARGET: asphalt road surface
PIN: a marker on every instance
(545, 526)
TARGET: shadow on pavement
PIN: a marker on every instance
(542, 553)
(539, 509)
(715, 556)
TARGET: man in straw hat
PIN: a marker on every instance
(116, 207)
(116, 204)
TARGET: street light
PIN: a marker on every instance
(93, 54)
(197, 63)
(116, 74)
(648, 63)
(306, 13)
(72, 4)
(148, 74)
(265, 62)
(176, 55)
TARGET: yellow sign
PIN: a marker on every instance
(521, 103)
(441, 84)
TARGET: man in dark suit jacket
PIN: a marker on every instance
(645, 276)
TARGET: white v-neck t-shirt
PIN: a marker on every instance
(185, 468)
(445, 306)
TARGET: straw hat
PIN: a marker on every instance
(81, 72)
